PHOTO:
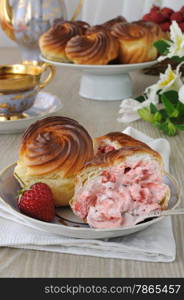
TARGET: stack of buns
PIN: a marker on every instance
(113, 41)
(99, 178)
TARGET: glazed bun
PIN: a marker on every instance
(96, 47)
(52, 151)
(84, 26)
(117, 20)
(136, 41)
(114, 141)
(53, 42)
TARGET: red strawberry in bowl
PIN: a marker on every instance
(167, 12)
(147, 17)
(182, 26)
(157, 17)
(177, 16)
(182, 9)
(165, 26)
(37, 202)
(155, 8)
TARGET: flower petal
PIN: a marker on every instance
(181, 94)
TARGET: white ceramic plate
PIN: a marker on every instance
(45, 104)
(66, 223)
(104, 82)
(103, 69)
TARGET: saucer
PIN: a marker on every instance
(65, 222)
(45, 104)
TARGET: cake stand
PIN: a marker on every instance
(104, 82)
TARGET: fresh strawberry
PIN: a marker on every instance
(177, 16)
(165, 26)
(167, 12)
(157, 17)
(147, 17)
(155, 8)
(182, 9)
(182, 26)
(37, 202)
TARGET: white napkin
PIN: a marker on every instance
(155, 244)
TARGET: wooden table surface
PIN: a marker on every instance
(98, 117)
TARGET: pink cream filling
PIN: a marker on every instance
(134, 187)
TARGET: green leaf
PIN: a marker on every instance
(180, 108)
(156, 124)
(179, 126)
(153, 108)
(170, 108)
(178, 59)
(157, 117)
(172, 96)
(164, 114)
(140, 99)
(162, 46)
(168, 128)
(145, 114)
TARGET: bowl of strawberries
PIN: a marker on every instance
(164, 17)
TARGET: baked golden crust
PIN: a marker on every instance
(136, 41)
(83, 25)
(53, 42)
(118, 19)
(55, 144)
(96, 47)
(116, 140)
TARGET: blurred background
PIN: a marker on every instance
(96, 11)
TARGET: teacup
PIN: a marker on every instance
(19, 86)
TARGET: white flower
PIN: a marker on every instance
(151, 93)
(170, 80)
(129, 108)
(177, 45)
(181, 94)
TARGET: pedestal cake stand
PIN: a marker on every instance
(104, 82)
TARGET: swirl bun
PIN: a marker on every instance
(110, 23)
(53, 42)
(136, 41)
(96, 47)
(52, 151)
(83, 25)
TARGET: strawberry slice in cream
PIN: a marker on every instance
(134, 187)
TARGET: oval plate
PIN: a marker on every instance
(65, 222)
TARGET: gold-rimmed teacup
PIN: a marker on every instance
(19, 85)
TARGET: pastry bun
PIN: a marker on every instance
(52, 151)
(96, 47)
(110, 23)
(53, 42)
(136, 41)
